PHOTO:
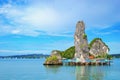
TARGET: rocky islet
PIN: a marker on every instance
(82, 49)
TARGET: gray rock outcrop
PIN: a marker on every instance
(81, 43)
(54, 59)
(98, 47)
(56, 53)
(53, 62)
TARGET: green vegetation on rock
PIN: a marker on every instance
(84, 36)
(68, 53)
(107, 56)
(91, 43)
(51, 58)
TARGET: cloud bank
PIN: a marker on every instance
(32, 18)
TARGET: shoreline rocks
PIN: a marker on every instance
(53, 60)
(53, 63)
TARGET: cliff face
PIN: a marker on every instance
(98, 47)
(81, 43)
(82, 50)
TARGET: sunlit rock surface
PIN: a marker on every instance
(98, 47)
(81, 43)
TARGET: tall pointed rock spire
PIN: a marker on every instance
(81, 43)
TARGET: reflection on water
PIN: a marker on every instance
(89, 73)
(81, 72)
(52, 68)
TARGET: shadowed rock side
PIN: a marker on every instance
(81, 43)
(98, 47)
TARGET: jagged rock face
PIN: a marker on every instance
(98, 48)
(81, 43)
(56, 53)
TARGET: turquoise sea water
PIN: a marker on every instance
(33, 69)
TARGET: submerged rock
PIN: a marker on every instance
(81, 43)
(98, 47)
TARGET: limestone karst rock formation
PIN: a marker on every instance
(54, 59)
(56, 53)
(98, 47)
(81, 43)
(81, 49)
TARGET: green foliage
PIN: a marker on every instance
(109, 57)
(101, 56)
(51, 58)
(91, 43)
(69, 53)
(106, 56)
(84, 36)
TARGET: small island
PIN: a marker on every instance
(82, 53)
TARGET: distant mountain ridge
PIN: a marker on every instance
(115, 55)
(29, 56)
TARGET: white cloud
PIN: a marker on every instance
(58, 16)
(15, 31)
(97, 32)
(105, 32)
(40, 17)
(31, 18)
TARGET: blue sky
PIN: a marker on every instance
(40, 26)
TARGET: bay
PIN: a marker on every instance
(33, 69)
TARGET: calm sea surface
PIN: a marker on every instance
(33, 69)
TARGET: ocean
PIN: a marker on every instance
(33, 69)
